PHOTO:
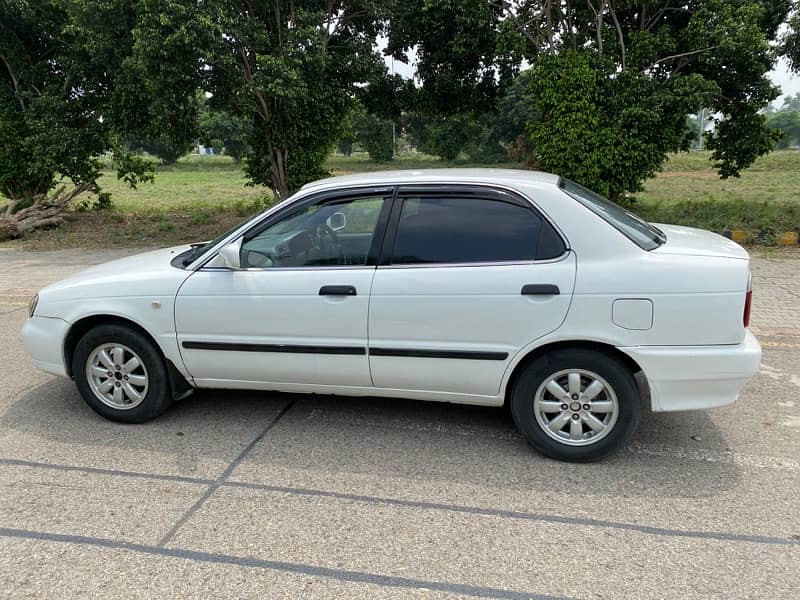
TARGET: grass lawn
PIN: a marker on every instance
(765, 199)
(201, 196)
(195, 182)
(774, 177)
(195, 199)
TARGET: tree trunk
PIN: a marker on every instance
(46, 211)
(8, 230)
(280, 179)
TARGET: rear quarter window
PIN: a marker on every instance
(636, 229)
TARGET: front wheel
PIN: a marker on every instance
(577, 405)
(121, 375)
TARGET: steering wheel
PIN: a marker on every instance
(329, 243)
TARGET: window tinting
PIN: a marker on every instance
(331, 234)
(634, 228)
(465, 230)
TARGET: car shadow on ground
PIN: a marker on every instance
(322, 439)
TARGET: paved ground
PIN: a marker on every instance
(254, 495)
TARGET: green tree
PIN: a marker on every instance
(59, 60)
(459, 52)
(502, 134)
(612, 82)
(162, 148)
(607, 133)
(461, 59)
(485, 146)
(155, 97)
(694, 130)
(791, 103)
(290, 67)
(514, 111)
(442, 136)
(348, 138)
(224, 130)
(374, 133)
(788, 123)
(790, 41)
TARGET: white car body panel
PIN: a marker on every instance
(696, 377)
(40, 338)
(695, 353)
(275, 308)
(139, 288)
(461, 308)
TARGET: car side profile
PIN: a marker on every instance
(474, 286)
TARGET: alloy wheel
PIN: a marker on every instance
(117, 376)
(576, 407)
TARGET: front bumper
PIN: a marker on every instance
(43, 338)
(696, 377)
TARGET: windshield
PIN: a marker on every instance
(631, 226)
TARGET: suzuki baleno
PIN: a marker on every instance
(471, 286)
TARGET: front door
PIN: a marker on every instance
(471, 277)
(297, 311)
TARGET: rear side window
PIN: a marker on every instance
(471, 230)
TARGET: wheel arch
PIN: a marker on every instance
(179, 385)
(604, 348)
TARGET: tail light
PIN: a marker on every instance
(748, 301)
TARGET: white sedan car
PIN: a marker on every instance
(475, 286)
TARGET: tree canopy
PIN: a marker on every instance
(786, 120)
(790, 41)
(293, 67)
(222, 131)
(603, 97)
(70, 91)
(611, 82)
(55, 86)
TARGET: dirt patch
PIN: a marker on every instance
(688, 174)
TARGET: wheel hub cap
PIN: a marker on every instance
(117, 376)
(576, 407)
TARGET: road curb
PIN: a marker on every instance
(743, 236)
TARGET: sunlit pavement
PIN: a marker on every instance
(268, 495)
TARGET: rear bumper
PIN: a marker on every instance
(43, 338)
(696, 377)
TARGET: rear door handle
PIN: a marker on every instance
(540, 289)
(337, 290)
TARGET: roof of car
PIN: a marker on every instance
(490, 176)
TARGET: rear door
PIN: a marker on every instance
(467, 277)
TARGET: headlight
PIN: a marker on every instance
(32, 305)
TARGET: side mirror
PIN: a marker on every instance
(230, 254)
(337, 221)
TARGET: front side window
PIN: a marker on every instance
(465, 230)
(331, 234)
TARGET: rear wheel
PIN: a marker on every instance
(120, 374)
(577, 405)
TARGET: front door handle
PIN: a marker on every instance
(337, 290)
(540, 289)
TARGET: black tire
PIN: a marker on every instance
(157, 398)
(615, 373)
